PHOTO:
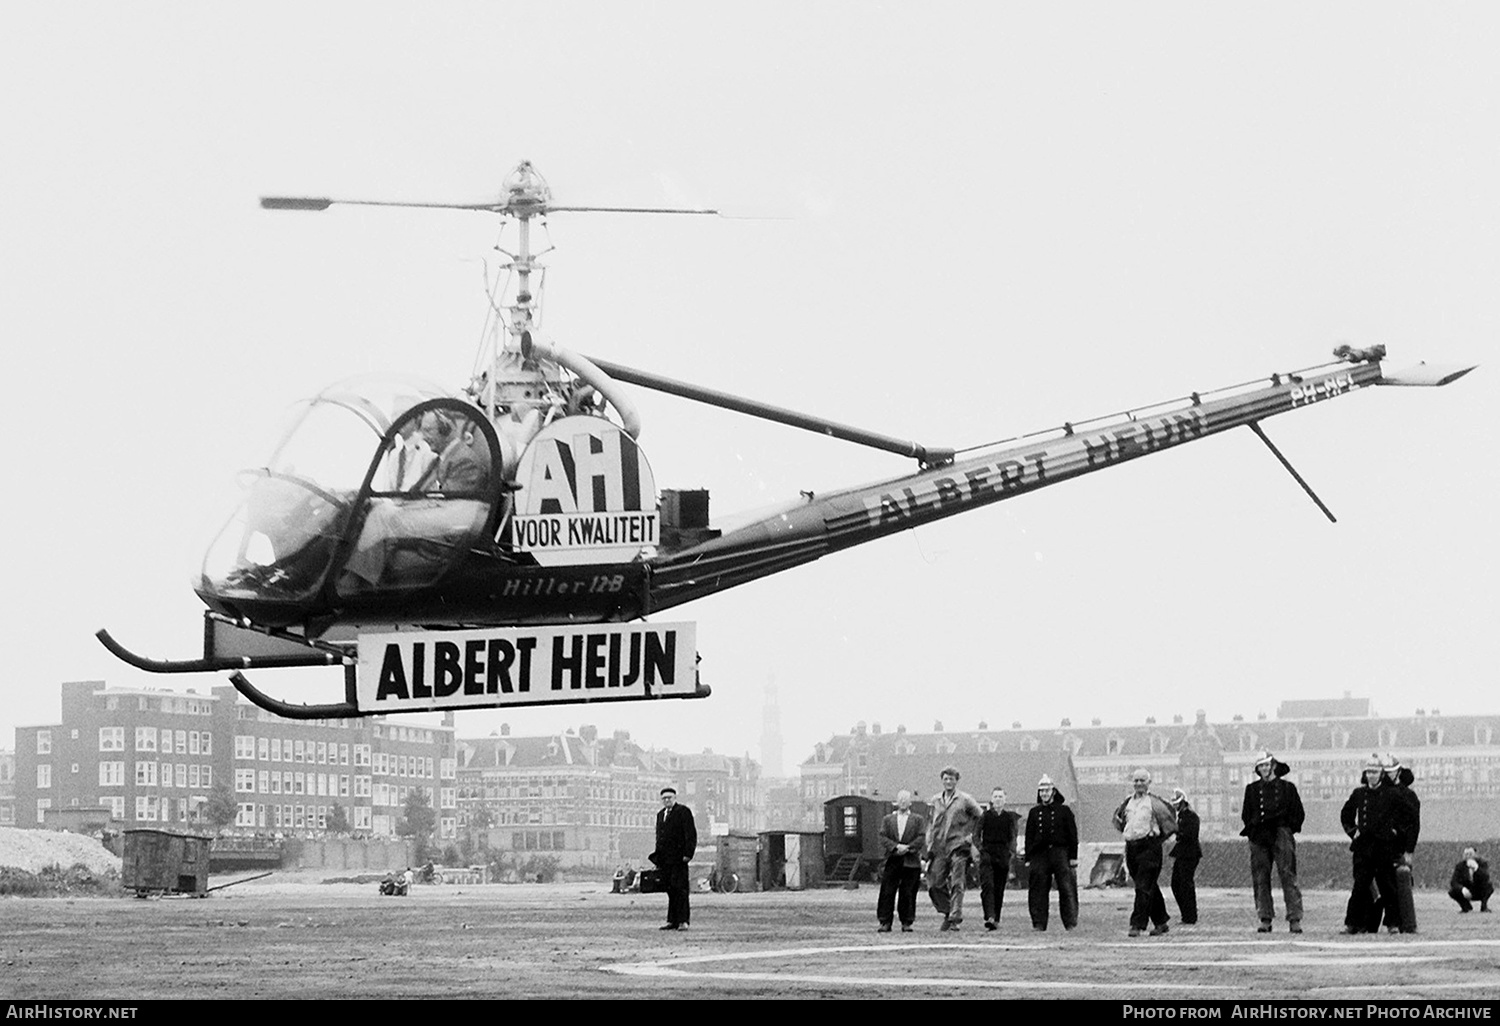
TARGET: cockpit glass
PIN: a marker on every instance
(293, 511)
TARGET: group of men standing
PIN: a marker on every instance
(1382, 817)
(947, 845)
(960, 828)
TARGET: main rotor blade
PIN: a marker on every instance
(323, 203)
(629, 210)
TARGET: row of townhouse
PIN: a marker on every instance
(1326, 742)
(592, 800)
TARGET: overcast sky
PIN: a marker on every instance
(977, 219)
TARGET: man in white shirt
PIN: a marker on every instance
(902, 836)
(1146, 822)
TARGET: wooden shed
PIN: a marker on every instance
(739, 854)
(791, 859)
(162, 862)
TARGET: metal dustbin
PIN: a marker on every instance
(162, 862)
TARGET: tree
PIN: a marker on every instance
(219, 811)
(417, 821)
(338, 820)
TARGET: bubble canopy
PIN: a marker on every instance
(397, 455)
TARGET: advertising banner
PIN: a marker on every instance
(499, 666)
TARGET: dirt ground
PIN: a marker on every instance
(289, 937)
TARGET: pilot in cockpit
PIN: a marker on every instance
(409, 459)
(462, 468)
(446, 500)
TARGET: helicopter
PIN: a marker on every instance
(502, 544)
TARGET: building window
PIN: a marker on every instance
(42, 805)
(244, 746)
(1434, 735)
(44, 775)
(111, 739)
(1112, 746)
(112, 774)
(145, 775)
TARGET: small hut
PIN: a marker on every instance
(791, 859)
(162, 862)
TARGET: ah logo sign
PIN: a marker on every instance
(586, 495)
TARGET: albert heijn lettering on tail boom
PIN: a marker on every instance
(503, 534)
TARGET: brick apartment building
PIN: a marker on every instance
(153, 757)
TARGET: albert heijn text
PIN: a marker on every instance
(503, 666)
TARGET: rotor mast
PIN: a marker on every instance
(526, 195)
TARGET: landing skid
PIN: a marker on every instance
(237, 645)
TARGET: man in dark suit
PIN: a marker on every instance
(902, 835)
(676, 839)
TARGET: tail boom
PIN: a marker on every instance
(839, 520)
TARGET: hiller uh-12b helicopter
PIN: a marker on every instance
(498, 546)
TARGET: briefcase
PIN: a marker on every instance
(651, 882)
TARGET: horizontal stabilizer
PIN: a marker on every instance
(1425, 374)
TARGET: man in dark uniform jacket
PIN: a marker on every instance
(676, 840)
(903, 834)
(1404, 825)
(1365, 818)
(1272, 813)
(1051, 854)
(1186, 854)
(997, 842)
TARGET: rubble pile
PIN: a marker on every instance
(35, 850)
